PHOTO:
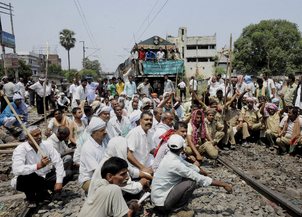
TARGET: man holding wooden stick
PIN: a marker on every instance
(33, 173)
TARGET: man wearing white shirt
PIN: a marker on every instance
(120, 123)
(20, 88)
(193, 84)
(72, 88)
(91, 88)
(160, 55)
(269, 84)
(32, 172)
(39, 89)
(168, 85)
(165, 125)
(130, 87)
(175, 179)
(92, 151)
(140, 149)
(80, 94)
(182, 88)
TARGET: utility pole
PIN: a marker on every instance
(8, 10)
(83, 42)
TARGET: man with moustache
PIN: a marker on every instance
(33, 174)
(139, 144)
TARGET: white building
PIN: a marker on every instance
(198, 52)
(33, 60)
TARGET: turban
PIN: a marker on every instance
(271, 106)
(211, 111)
(275, 100)
(176, 142)
(102, 109)
(17, 96)
(41, 79)
(250, 99)
(146, 101)
(247, 79)
(134, 116)
(95, 124)
(154, 95)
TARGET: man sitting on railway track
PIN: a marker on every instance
(175, 180)
(33, 174)
(8, 119)
(92, 152)
(58, 141)
(290, 135)
(106, 199)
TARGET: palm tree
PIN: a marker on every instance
(67, 40)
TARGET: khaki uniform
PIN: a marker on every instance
(252, 119)
(214, 130)
(232, 117)
(272, 128)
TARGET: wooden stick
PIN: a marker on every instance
(23, 127)
(9, 145)
(6, 151)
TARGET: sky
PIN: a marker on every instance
(110, 28)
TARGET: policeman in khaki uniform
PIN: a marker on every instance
(250, 119)
(214, 134)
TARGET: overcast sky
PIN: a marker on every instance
(112, 26)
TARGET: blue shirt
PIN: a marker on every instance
(7, 113)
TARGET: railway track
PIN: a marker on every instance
(264, 190)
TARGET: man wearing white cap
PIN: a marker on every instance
(175, 180)
(104, 114)
(7, 117)
(92, 151)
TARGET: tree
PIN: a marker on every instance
(55, 69)
(92, 65)
(67, 40)
(272, 45)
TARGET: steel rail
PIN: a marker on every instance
(274, 196)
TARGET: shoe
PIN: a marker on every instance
(232, 147)
(31, 204)
(244, 144)
(185, 213)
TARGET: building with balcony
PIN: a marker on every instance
(198, 52)
(33, 60)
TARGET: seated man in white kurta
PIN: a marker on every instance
(92, 151)
(140, 148)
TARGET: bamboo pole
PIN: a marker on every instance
(44, 84)
(9, 145)
(23, 127)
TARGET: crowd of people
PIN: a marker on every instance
(140, 55)
(124, 139)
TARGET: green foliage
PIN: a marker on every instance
(220, 70)
(70, 74)
(274, 45)
(88, 72)
(67, 39)
(55, 69)
(24, 70)
(92, 65)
